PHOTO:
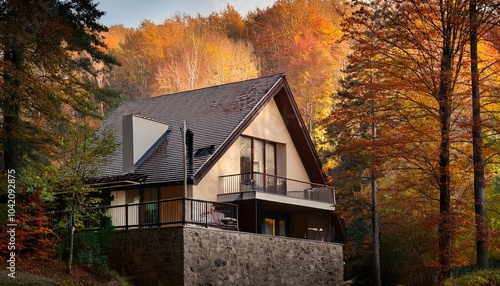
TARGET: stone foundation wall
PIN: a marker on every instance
(214, 257)
(200, 256)
(151, 256)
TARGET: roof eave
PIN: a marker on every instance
(295, 124)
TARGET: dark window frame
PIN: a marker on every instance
(252, 155)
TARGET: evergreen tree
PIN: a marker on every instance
(52, 52)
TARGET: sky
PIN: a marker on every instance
(131, 13)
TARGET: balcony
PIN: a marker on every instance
(155, 213)
(275, 185)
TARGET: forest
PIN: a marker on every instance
(401, 99)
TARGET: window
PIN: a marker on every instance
(270, 166)
(274, 223)
(205, 151)
(282, 227)
(246, 160)
(270, 152)
(257, 156)
(269, 226)
(258, 163)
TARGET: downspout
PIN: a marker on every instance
(184, 151)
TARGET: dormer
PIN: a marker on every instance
(140, 136)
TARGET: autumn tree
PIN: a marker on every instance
(182, 53)
(483, 16)
(228, 22)
(361, 127)
(491, 139)
(477, 145)
(417, 49)
(34, 236)
(46, 47)
(205, 59)
(300, 38)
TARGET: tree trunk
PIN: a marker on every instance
(376, 232)
(10, 106)
(71, 236)
(71, 241)
(444, 228)
(375, 222)
(477, 147)
(444, 99)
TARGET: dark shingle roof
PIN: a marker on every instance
(213, 114)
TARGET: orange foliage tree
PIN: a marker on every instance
(33, 235)
(181, 54)
(409, 66)
(301, 38)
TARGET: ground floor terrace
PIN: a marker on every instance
(249, 215)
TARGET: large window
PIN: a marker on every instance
(257, 156)
(258, 162)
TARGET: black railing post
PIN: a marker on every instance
(206, 214)
(126, 216)
(183, 211)
(158, 212)
(264, 184)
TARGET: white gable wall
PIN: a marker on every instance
(139, 134)
(268, 125)
(145, 133)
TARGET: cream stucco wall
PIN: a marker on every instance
(119, 198)
(228, 164)
(268, 125)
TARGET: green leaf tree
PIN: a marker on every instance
(82, 152)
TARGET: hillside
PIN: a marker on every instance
(41, 272)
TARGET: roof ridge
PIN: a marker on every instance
(282, 74)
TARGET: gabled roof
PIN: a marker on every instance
(217, 116)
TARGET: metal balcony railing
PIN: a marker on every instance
(155, 213)
(261, 182)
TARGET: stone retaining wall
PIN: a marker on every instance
(151, 256)
(199, 256)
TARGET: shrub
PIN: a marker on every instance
(480, 278)
(33, 233)
(88, 247)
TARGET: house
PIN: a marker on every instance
(220, 186)
(235, 156)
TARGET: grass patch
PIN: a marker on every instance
(27, 279)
